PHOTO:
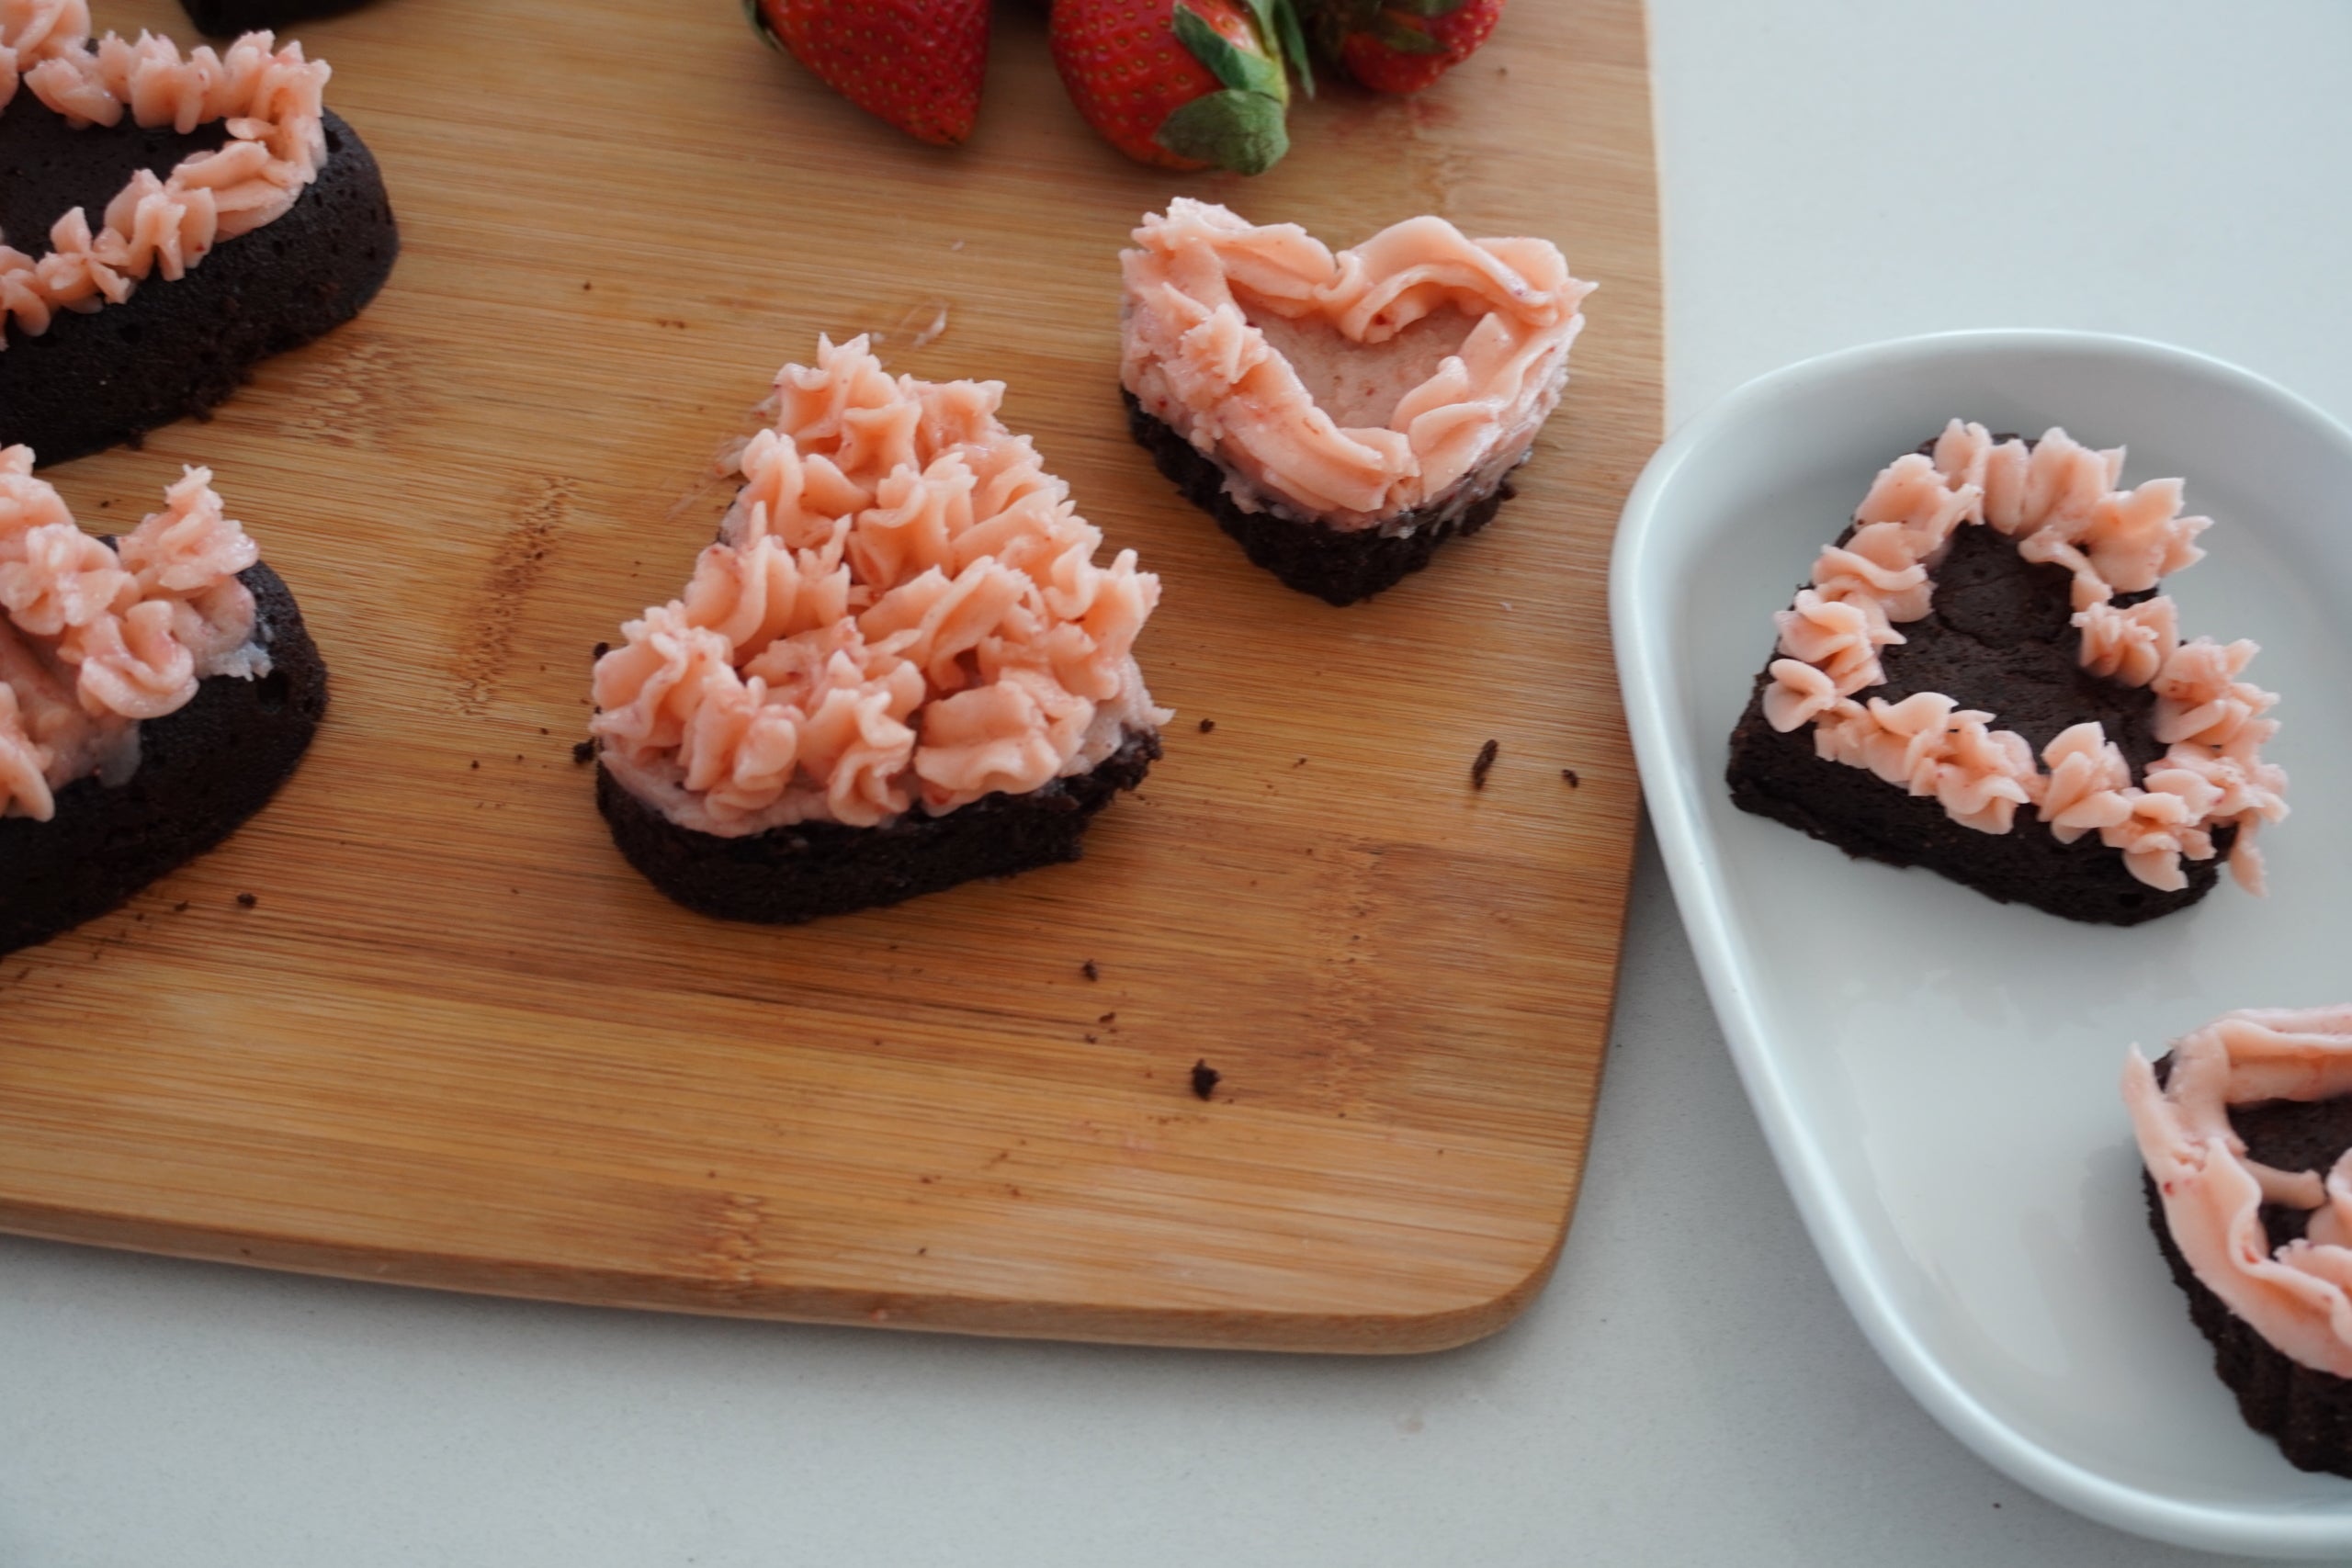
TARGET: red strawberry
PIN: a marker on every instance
(1401, 46)
(1183, 83)
(917, 64)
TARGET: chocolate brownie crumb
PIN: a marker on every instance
(1207, 724)
(247, 900)
(1570, 775)
(585, 752)
(1205, 1078)
(1485, 764)
(1090, 971)
(603, 649)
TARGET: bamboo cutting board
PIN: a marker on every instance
(455, 1042)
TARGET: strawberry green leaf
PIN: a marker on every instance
(1234, 129)
(1279, 19)
(1226, 60)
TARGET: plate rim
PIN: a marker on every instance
(1645, 663)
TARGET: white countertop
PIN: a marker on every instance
(1688, 1390)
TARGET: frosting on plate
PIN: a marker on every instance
(2299, 1296)
(2059, 501)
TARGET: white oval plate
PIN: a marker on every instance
(1936, 1073)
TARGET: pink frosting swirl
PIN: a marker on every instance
(1195, 359)
(902, 610)
(271, 98)
(2132, 645)
(94, 639)
(2299, 1296)
(2059, 501)
(1840, 638)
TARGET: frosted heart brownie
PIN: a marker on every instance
(1341, 415)
(2246, 1133)
(166, 221)
(898, 668)
(1981, 679)
(154, 692)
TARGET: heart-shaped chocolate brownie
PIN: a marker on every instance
(2022, 582)
(2244, 1131)
(1341, 415)
(899, 669)
(186, 215)
(154, 692)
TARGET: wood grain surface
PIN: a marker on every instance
(456, 1042)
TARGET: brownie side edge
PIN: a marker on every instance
(204, 771)
(1338, 565)
(178, 347)
(789, 876)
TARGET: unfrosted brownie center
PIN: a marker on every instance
(48, 168)
(1999, 637)
(1358, 384)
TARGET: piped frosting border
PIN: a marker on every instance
(1193, 361)
(272, 99)
(94, 639)
(2059, 501)
(902, 609)
(2299, 1296)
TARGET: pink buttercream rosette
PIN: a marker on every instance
(2059, 501)
(2299, 1296)
(95, 638)
(902, 610)
(272, 99)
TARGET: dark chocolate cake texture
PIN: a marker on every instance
(1341, 416)
(226, 19)
(156, 254)
(1982, 680)
(899, 667)
(2241, 1130)
(155, 693)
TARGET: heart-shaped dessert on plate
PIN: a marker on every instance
(1341, 415)
(154, 692)
(898, 669)
(169, 220)
(1981, 679)
(2242, 1129)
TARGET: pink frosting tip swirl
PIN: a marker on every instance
(271, 98)
(1437, 356)
(2059, 501)
(96, 637)
(902, 611)
(2298, 1296)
